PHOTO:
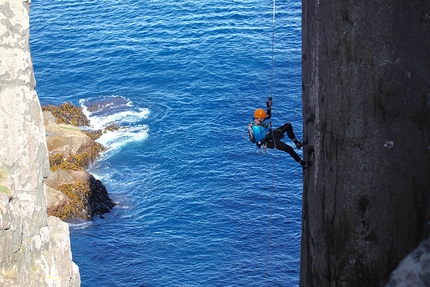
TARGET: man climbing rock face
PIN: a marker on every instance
(263, 136)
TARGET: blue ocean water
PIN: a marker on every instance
(197, 206)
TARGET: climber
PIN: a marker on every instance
(262, 135)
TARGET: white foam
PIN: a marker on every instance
(123, 136)
(124, 117)
(120, 111)
(80, 224)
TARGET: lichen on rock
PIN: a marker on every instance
(35, 249)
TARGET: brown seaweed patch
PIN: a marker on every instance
(71, 162)
(74, 161)
(67, 113)
(78, 204)
(94, 135)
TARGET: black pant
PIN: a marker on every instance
(273, 140)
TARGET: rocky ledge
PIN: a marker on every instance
(72, 192)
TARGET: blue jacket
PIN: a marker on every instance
(260, 131)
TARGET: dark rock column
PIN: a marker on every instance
(366, 110)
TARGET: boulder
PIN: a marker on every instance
(72, 192)
(56, 200)
(414, 270)
(76, 194)
(65, 139)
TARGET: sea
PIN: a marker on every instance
(197, 203)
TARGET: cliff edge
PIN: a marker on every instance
(366, 111)
(34, 248)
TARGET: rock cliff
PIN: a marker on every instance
(366, 110)
(34, 248)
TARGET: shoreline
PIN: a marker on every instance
(72, 192)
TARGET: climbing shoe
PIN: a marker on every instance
(300, 144)
(306, 164)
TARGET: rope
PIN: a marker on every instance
(292, 118)
(274, 154)
(273, 48)
(273, 188)
(271, 204)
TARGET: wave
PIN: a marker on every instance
(121, 121)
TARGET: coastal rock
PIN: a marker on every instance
(56, 200)
(65, 139)
(34, 248)
(76, 194)
(366, 111)
(414, 270)
(73, 193)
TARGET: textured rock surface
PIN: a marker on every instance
(366, 107)
(414, 270)
(64, 139)
(34, 249)
(72, 192)
(76, 194)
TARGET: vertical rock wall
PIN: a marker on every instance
(34, 249)
(366, 108)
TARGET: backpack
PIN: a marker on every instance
(251, 132)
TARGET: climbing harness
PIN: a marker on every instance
(262, 149)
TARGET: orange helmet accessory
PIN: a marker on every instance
(260, 114)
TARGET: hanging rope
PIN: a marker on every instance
(292, 118)
(273, 48)
(270, 216)
(274, 154)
